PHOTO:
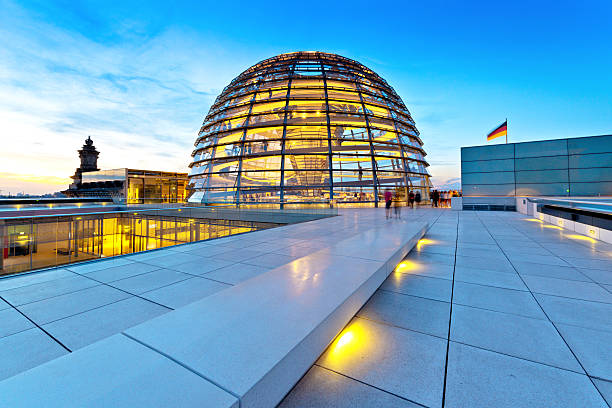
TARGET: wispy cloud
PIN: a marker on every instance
(142, 100)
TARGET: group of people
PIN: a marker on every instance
(442, 198)
(438, 199)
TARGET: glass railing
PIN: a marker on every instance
(28, 243)
(595, 204)
(51, 238)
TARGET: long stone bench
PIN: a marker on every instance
(244, 346)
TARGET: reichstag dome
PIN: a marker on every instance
(307, 128)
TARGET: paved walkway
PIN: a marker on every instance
(49, 314)
(491, 310)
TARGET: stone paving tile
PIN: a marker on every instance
(117, 372)
(489, 278)
(99, 264)
(269, 260)
(238, 255)
(86, 328)
(481, 378)
(524, 337)
(539, 259)
(40, 291)
(324, 388)
(593, 348)
(121, 272)
(59, 307)
(235, 273)
(441, 249)
(483, 253)
(431, 258)
(497, 299)
(151, 280)
(422, 286)
(296, 251)
(484, 263)
(4, 305)
(568, 288)
(433, 270)
(207, 251)
(184, 292)
(201, 266)
(33, 278)
(588, 263)
(409, 312)
(11, 322)
(550, 271)
(25, 350)
(148, 255)
(172, 259)
(594, 315)
(380, 360)
(605, 388)
(598, 275)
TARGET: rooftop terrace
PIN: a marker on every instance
(488, 309)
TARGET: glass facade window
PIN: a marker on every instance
(307, 128)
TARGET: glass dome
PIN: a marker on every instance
(307, 128)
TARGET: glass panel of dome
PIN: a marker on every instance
(310, 133)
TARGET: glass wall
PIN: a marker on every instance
(38, 242)
(149, 187)
(307, 128)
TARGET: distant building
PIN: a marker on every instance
(493, 176)
(130, 186)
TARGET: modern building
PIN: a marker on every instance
(307, 128)
(125, 185)
(495, 175)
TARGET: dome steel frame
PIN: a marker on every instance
(307, 128)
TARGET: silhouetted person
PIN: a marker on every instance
(411, 199)
(388, 200)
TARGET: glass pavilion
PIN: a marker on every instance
(307, 128)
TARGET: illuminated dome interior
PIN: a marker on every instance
(307, 128)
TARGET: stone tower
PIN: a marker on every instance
(89, 161)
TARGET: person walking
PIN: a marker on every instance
(388, 200)
(411, 199)
(397, 205)
(436, 197)
(417, 197)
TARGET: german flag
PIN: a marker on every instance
(501, 130)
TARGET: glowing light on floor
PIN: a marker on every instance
(407, 266)
(345, 339)
(534, 220)
(582, 238)
(553, 227)
(424, 241)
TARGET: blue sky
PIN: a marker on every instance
(139, 77)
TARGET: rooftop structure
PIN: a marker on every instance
(124, 185)
(494, 175)
(307, 128)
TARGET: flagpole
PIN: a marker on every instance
(506, 130)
